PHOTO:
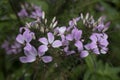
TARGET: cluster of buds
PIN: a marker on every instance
(41, 40)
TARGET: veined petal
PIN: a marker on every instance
(78, 35)
(28, 36)
(28, 47)
(43, 40)
(30, 50)
(56, 43)
(42, 48)
(84, 54)
(27, 59)
(20, 38)
(79, 45)
(50, 37)
(47, 59)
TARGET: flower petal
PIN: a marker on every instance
(91, 46)
(30, 50)
(20, 39)
(93, 37)
(50, 37)
(47, 59)
(96, 51)
(27, 59)
(62, 30)
(84, 54)
(28, 35)
(79, 45)
(56, 44)
(104, 50)
(42, 48)
(78, 35)
(69, 37)
(43, 40)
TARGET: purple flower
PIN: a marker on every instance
(84, 53)
(50, 40)
(37, 13)
(60, 30)
(75, 34)
(11, 48)
(23, 13)
(64, 41)
(99, 43)
(27, 36)
(100, 39)
(31, 54)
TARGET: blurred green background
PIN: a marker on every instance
(103, 67)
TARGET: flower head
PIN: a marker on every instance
(27, 36)
(31, 54)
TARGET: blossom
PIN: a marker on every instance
(54, 43)
(60, 30)
(23, 13)
(27, 36)
(37, 12)
(75, 34)
(13, 48)
(31, 55)
(98, 43)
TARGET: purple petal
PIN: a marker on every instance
(69, 37)
(56, 44)
(28, 35)
(50, 37)
(106, 26)
(96, 51)
(84, 54)
(79, 45)
(78, 35)
(23, 13)
(20, 39)
(30, 50)
(62, 30)
(91, 46)
(44, 41)
(104, 43)
(42, 48)
(105, 36)
(47, 59)
(28, 47)
(27, 59)
(93, 37)
(104, 50)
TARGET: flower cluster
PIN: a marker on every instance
(13, 48)
(69, 40)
